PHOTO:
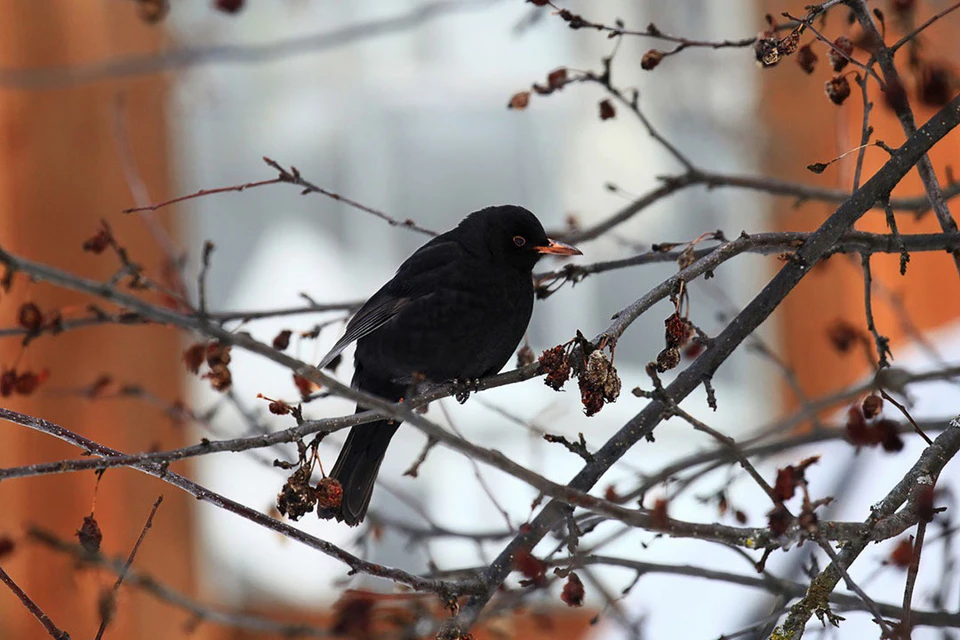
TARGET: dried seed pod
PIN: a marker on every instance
(840, 55)
(838, 89)
(668, 359)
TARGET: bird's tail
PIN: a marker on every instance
(357, 467)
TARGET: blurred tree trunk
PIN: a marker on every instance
(60, 173)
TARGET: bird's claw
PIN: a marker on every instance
(462, 388)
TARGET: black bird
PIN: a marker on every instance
(455, 310)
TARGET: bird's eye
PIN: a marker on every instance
(519, 241)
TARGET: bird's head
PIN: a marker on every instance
(511, 235)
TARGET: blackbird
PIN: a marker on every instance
(455, 310)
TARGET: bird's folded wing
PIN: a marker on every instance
(416, 278)
(368, 319)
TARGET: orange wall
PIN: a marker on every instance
(805, 127)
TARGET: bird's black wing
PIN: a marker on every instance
(416, 278)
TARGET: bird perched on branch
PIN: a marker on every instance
(455, 310)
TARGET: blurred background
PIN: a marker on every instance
(401, 105)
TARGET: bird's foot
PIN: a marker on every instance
(462, 388)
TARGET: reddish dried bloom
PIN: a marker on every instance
(8, 382)
(807, 519)
(807, 59)
(525, 356)
(193, 357)
(658, 515)
(6, 546)
(937, 84)
(530, 566)
(844, 335)
(220, 377)
(557, 78)
(740, 516)
(778, 520)
(838, 89)
(889, 435)
(329, 493)
(591, 399)
(651, 59)
(693, 350)
(858, 433)
(99, 241)
(871, 406)
(29, 317)
(925, 508)
(610, 493)
(229, 6)
(282, 340)
(606, 110)
(785, 486)
(840, 59)
(304, 386)
(217, 353)
(902, 554)
(573, 591)
(539, 3)
(89, 535)
(27, 382)
(554, 363)
(519, 101)
(278, 407)
(677, 331)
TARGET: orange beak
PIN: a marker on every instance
(559, 249)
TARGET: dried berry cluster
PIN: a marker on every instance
(217, 357)
(23, 383)
(305, 386)
(769, 49)
(532, 567)
(936, 81)
(789, 479)
(865, 429)
(573, 593)
(596, 375)
(89, 535)
(556, 80)
(678, 332)
(34, 321)
(298, 497)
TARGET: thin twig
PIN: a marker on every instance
(52, 630)
(126, 567)
(882, 342)
(201, 193)
(293, 176)
(906, 622)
